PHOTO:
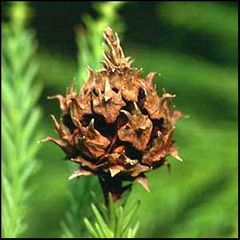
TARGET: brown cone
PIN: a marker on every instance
(117, 126)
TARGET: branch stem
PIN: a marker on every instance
(111, 187)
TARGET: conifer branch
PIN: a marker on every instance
(20, 119)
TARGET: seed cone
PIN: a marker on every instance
(116, 127)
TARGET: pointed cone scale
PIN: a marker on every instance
(114, 171)
(107, 91)
(128, 114)
(176, 156)
(144, 182)
(80, 172)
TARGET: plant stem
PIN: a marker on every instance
(111, 187)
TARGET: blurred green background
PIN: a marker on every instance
(194, 46)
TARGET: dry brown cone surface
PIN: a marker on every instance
(116, 127)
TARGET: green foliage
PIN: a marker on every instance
(20, 120)
(89, 54)
(78, 207)
(116, 221)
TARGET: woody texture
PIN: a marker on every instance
(117, 126)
